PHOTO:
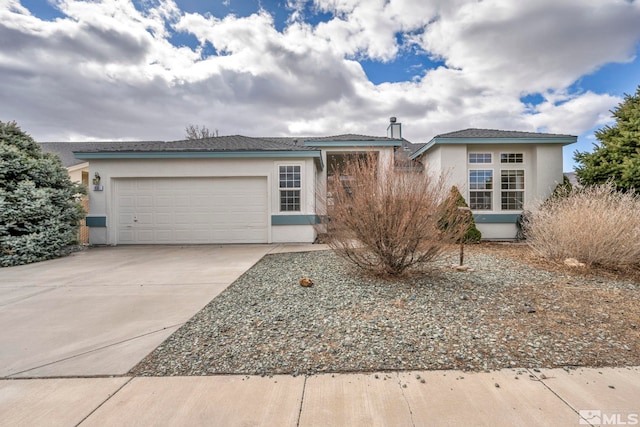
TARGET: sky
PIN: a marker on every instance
(106, 70)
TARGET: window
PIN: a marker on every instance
(479, 157)
(511, 158)
(480, 189)
(289, 188)
(512, 186)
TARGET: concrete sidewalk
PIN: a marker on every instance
(434, 398)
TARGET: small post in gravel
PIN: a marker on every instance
(462, 212)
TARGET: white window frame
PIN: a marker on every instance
(512, 153)
(518, 187)
(482, 153)
(487, 188)
(287, 188)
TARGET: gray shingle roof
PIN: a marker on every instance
(301, 140)
(65, 150)
(410, 148)
(234, 143)
(495, 133)
(219, 143)
(348, 137)
(494, 136)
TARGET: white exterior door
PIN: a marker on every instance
(191, 210)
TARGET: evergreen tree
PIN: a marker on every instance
(617, 157)
(453, 217)
(39, 210)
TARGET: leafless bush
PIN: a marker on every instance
(383, 220)
(199, 132)
(596, 225)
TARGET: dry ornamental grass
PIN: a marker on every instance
(596, 225)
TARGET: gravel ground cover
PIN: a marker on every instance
(504, 313)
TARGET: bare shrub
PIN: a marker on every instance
(383, 220)
(596, 225)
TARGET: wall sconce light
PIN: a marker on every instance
(96, 182)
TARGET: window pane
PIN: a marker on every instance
(290, 200)
(289, 176)
(480, 179)
(512, 180)
(511, 158)
(479, 157)
(480, 200)
(512, 200)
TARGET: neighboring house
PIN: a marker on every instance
(497, 171)
(78, 169)
(239, 189)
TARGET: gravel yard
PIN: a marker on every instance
(507, 312)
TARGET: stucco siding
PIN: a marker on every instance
(548, 170)
(498, 231)
(453, 165)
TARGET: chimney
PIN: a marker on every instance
(395, 129)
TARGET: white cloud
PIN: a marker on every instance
(109, 71)
(534, 46)
(575, 114)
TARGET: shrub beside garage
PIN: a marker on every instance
(39, 205)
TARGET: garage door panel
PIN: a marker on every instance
(192, 210)
(125, 218)
(144, 218)
(164, 218)
(163, 201)
(144, 185)
(127, 201)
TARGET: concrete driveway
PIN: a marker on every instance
(100, 311)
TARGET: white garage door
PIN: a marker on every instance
(191, 210)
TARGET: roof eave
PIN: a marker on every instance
(77, 166)
(184, 154)
(564, 140)
(390, 143)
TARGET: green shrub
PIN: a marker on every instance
(39, 213)
(453, 217)
(563, 189)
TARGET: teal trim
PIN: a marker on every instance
(541, 140)
(315, 155)
(197, 154)
(423, 149)
(496, 218)
(496, 141)
(295, 219)
(96, 221)
(390, 143)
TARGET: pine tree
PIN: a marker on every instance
(617, 157)
(453, 217)
(39, 209)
